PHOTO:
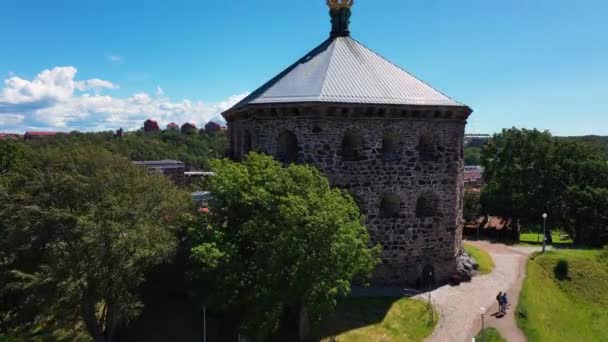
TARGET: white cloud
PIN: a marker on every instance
(112, 58)
(140, 99)
(56, 84)
(9, 120)
(159, 91)
(95, 84)
(54, 100)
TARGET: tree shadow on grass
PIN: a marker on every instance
(354, 313)
(170, 313)
(561, 269)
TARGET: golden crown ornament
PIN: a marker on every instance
(340, 4)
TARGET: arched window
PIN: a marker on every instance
(428, 276)
(427, 148)
(390, 147)
(287, 150)
(390, 206)
(351, 147)
(426, 206)
(247, 143)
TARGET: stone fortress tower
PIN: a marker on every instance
(390, 139)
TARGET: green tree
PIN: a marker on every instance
(472, 206)
(284, 245)
(528, 172)
(193, 149)
(586, 216)
(78, 230)
(517, 165)
(11, 153)
(472, 155)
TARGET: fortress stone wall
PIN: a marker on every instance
(402, 164)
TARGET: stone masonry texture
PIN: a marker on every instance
(402, 164)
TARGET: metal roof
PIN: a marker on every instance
(342, 70)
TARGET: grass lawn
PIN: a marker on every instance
(378, 319)
(536, 239)
(565, 297)
(41, 333)
(490, 335)
(486, 264)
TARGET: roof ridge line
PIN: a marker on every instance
(331, 59)
(278, 77)
(407, 72)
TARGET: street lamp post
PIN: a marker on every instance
(544, 231)
(204, 323)
(483, 311)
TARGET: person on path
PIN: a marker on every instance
(505, 302)
(499, 300)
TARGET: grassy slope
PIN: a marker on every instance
(532, 238)
(572, 309)
(379, 319)
(490, 335)
(486, 264)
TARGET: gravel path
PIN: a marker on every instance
(459, 306)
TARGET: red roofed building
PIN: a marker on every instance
(188, 128)
(473, 177)
(492, 226)
(212, 127)
(172, 126)
(151, 126)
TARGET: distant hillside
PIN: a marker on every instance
(474, 144)
(599, 141)
(476, 140)
(195, 149)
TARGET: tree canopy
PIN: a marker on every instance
(194, 149)
(529, 172)
(281, 243)
(472, 155)
(471, 206)
(78, 230)
(11, 153)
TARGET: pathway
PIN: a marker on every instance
(459, 306)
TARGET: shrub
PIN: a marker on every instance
(604, 255)
(561, 270)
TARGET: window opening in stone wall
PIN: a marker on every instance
(232, 152)
(389, 206)
(287, 151)
(428, 276)
(351, 147)
(247, 143)
(237, 146)
(426, 206)
(390, 148)
(427, 148)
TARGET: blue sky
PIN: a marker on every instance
(104, 64)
